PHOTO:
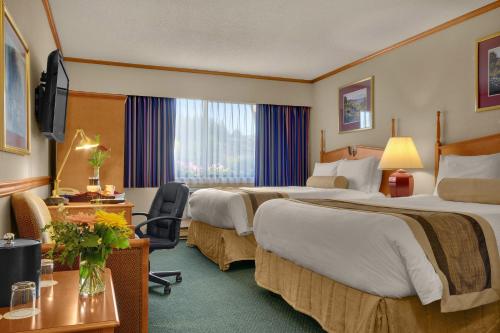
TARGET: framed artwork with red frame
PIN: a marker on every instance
(488, 73)
(356, 106)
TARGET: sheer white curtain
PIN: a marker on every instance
(214, 142)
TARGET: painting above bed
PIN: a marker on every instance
(488, 73)
(356, 106)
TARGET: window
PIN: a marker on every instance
(214, 142)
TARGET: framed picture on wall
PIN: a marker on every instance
(356, 106)
(488, 73)
(15, 106)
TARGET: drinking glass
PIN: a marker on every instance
(22, 301)
(46, 273)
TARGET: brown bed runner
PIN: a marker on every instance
(253, 199)
(461, 247)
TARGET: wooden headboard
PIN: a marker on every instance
(479, 146)
(356, 153)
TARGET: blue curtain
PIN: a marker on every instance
(282, 145)
(149, 141)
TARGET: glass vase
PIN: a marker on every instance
(92, 281)
(96, 174)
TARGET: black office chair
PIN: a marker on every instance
(164, 225)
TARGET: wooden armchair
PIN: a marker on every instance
(129, 267)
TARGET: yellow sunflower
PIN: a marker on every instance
(111, 219)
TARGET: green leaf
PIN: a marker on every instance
(109, 237)
(90, 240)
(121, 243)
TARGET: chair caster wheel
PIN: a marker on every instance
(167, 290)
(178, 279)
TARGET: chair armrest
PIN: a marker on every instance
(129, 268)
(141, 214)
(138, 227)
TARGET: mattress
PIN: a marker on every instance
(223, 209)
(374, 253)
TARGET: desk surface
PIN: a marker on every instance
(63, 310)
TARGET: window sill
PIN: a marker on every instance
(194, 187)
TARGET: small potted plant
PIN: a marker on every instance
(96, 159)
(91, 239)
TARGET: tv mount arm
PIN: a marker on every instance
(39, 92)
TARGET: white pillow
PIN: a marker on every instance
(377, 176)
(325, 169)
(456, 166)
(363, 175)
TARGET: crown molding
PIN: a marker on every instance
(183, 70)
(441, 27)
(52, 24)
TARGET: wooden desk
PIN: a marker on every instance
(88, 208)
(63, 310)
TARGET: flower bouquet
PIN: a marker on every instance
(91, 239)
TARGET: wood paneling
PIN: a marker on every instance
(183, 70)
(20, 185)
(95, 94)
(95, 113)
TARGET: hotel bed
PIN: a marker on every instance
(222, 219)
(356, 269)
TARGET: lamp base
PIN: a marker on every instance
(401, 184)
(56, 201)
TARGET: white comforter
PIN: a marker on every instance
(224, 209)
(371, 252)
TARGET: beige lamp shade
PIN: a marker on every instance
(400, 153)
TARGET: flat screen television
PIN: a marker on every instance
(52, 98)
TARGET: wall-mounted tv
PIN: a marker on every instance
(52, 98)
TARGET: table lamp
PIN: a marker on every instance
(84, 144)
(400, 153)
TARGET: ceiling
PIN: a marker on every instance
(300, 39)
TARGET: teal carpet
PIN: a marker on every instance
(211, 301)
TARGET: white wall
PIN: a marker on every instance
(134, 81)
(411, 84)
(144, 82)
(30, 18)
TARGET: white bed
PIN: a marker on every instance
(362, 271)
(223, 209)
(374, 253)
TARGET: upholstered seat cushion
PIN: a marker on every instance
(156, 243)
(32, 214)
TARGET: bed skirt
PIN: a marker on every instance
(339, 308)
(222, 246)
